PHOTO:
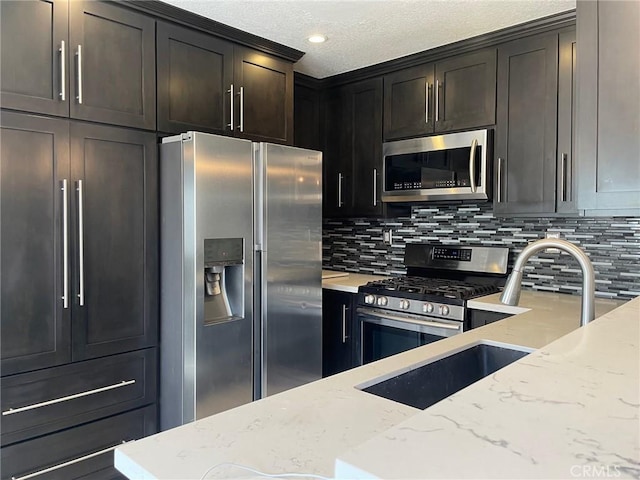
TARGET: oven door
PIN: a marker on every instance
(383, 334)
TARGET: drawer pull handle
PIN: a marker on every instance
(11, 411)
(70, 462)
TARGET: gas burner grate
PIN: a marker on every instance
(433, 286)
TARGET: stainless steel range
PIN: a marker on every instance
(430, 302)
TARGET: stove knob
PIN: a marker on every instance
(444, 310)
(369, 299)
(427, 308)
(404, 304)
(382, 301)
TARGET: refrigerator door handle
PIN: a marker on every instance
(262, 317)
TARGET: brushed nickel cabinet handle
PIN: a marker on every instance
(80, 243)
(241, 93)
(340, 190)
(499, 188)
(13, 411)
(63, 71)
(231, 99)
(437, 100)
(79, 55)
(65, 244)
(344, 324)
(563, 185)
(426, 108)
(375, 187)
(70, 462)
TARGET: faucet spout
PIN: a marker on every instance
(511, 293)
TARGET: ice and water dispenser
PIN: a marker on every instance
(223, 280)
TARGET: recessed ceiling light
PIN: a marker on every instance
(318, 38)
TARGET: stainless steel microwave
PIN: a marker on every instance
(454, 166)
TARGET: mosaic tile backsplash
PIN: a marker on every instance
(612, 243)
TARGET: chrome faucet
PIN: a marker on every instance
(511, 293)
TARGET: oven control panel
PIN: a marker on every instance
(417, 307)
(451, 253)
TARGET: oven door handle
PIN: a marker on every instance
(380, 318)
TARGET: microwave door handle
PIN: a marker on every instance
(472, 165)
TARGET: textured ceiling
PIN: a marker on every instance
(366, 32)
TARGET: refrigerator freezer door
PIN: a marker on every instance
(206, 195)
(289, 240)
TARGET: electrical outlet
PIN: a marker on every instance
(387, 237)
(552, 235)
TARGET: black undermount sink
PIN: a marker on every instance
(425, 385)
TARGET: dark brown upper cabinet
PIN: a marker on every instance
(525, 145)
(534, 148)
(408, 102)
(114, 65)
(608, 134)
(453, 94)
(87, 60)
(336, 159)
(566, 176)
(264, 91)
(306, 117)
(365, 102)
(195, 75)
(34, 67)
(211, 85)
(352, 158)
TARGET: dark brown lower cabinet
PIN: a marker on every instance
(80, 451)
(44, 401)
(480, 318)
(340, 332)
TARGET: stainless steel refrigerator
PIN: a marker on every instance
(241, 293)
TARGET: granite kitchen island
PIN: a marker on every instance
(569, 409)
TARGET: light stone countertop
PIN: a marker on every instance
(568, 410)
(306, 429)
(350, 283)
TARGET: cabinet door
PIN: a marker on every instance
(336, 160)
(33, 57)
(526, 127)
(609, 107)
(408, 102)
(34, 163)
(195, 73)
(114, 65)
(306, 118)
(265, 97)
(566, 161)
(338, 339)
(115, 174)
(466, 91)
(366, 119)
